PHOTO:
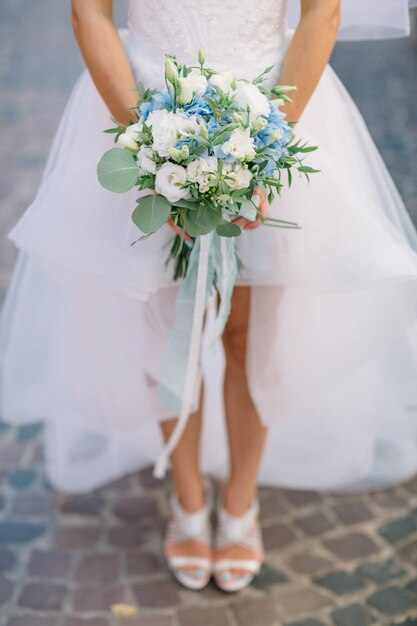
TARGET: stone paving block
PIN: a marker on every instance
(48, 564)
(353, 615)
(7, 560)
(409, 622)
(158, 594)
(352, 546)
(305, 622)
(6, 589)
(411, 587)
(353, 512)
(2, 502)
(131, 508)
(307, 563)
(300, 602)
(204, 616)
(268, 576)
(32, 620)
(98, 568)
(302, 498)
(142, 563)
(271, 506)
(126, 536)
(97, 597)
(95, 621)
(33, 504)
(76, 536)
(399, 529)
(146, 620)
(255, 612)
(85, 504)
(22, 478)
(146, 478)
(381, 571)
(42, 596)
(409, 552)
(314, 525)
(29, 431)
(411, 486)
(340, 583)
(277, 536)
(389, 499)
(14, 531)
(392, 601)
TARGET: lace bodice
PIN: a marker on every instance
(247, 35)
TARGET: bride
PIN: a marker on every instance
(318, 361)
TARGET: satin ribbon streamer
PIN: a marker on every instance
(212, 264)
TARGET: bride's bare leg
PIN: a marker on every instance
(246, 433)
(187, 479)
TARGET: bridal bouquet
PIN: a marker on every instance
(202, 145)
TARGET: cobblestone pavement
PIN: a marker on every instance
(340, 560)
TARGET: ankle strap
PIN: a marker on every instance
(193, 524)
(236, 527)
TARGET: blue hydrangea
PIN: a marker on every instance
(159, 100)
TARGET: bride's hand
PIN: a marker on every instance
(178, 230)
(246, 224)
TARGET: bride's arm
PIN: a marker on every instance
(104, 55)
(309, 51)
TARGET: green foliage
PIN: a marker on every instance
(228, 229)
(151, 213)
(117, 170)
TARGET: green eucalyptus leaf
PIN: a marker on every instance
(202, 221)
(151, 213)
(117, 170)
(228, 229)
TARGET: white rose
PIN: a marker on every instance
(168, 181)
(146, 160)
(192, 84)
(197, 168)
(248, 95)
(223, 80)
(130, 138)
(187, 125)
(164, 131)
(239, 178)
(240, 145)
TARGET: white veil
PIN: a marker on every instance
(367, 19)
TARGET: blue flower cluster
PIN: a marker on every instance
(277, 148)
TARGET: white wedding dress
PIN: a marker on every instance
(332, 357)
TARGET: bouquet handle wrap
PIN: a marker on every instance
(212, 263)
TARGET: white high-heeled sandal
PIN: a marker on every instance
(183, 526)
(245, 531)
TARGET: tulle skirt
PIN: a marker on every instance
(332, 343)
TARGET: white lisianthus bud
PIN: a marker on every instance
(171, 72)
(238, 118)
(169, 180)
(259, 123)
(175, 154)
(129, 139)
(201, 56)
(145, 160)
(277, 102)
(185, 152)
(277, 134)
(203, 131)
(193, 83)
